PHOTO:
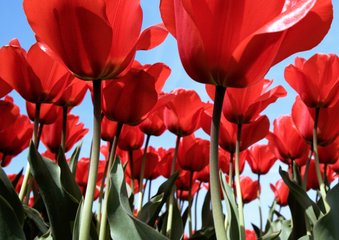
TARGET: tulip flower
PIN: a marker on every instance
(51, 134)
(281, 191)
(312, 179)
(193, 153)
(166, 158)
(226, 162)
(49, 112)
(330, 153)
(303, 118)
(4, 88)
(287, 143)
(131, 138)
(108, 129)
(9, 112)
(249, 189)
(203, 175)
(260, 158)
(73, 94)
(250, 235)
(315, 80)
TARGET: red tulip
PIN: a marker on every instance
(166, 158)
(182, 112)
(15, 138)
(108, 129)
(9, 112)
(315, 80)
(225, 160)
(51, 134)
(203, 175)
(250, 235)
(81, 176)
(303, 116)
(185, 194)
(193, 154)
(281, 191)
(131, 138)
(36, 76)
(287, 143)
(249, 189)
(261, 158)
(125, 101)
(330, 153)
(234, 43)
(245, 104)
(49, 112)
(4, 87)
(183, 180)
(95, 40)
(73, 94)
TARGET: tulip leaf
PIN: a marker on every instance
(151, 210)
(73, 162)
(8, 193)
(204, 234)
(327, 227)
(35, 217)
(123, 225)
(9, 225)
(232, 228)
(306, 237)
(17, 178)
(177, 230)
(206, 212)
(61, 208)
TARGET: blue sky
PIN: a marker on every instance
(13, 24)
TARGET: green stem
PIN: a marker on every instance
(143, 163)
(190, 205)
(218, 216)
(23, 189)
(106, 178)
(317, 165)
(86, 215)
(149, 190)
(307, 167)
(131, 165)
(196, 207)
(64, 127)
(171, 199)
(238, 187)
(230, 171)
(260, 209)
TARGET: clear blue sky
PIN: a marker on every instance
(13, 24)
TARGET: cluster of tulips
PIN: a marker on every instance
(227, 45)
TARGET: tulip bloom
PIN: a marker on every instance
(193, 153)
(225, 161)
(234, 43)
(9, 112)
(4, 88)
(287, 143)
(49, 112)
(182, 112)
(281, 191)
(249, 189)
(315, 80)
(303, 118)
(260, 158)
(51, 134)
(108, 129)
(73, 94)
(36, 76)
(131, 138)
(330, 153)
(166, 158)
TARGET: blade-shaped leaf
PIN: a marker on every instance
(206, 212)
(9, 225)
(73, 162)
(122, 223)
(7, 192)
(35, 217)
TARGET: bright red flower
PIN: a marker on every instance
(312, 180)
(185, 194)
(108, 129)
(73, 94)
(183, 180)
(203, 175)
(125, 101)
(36, 76)
(182, 112)
(287, 143)
(166, 158)
(131, 138)
(193, 154)
(330, 153)
(316, 80)
(81, 176)
(261, 158)
(243, 105)
(225, 161)
(249, 189)
(281, 191)
(250, 235)
(9, 112)
(95, 40)
(303, 116)
(51, 134)
(4, 88)
(234, 43)
(49, 112)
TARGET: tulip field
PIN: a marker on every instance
(169, 119)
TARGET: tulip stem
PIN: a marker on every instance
(35, 138)
(143, 163)
(64, 128)
(230, 171)
(316, 156)
(190, 231)
(259, 203)
(306, 170)
(86, 215)
(106, 177)
(149, 190)
(238, 187)
(171, 199)
(196, 207)
(218, 216)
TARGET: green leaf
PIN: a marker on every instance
(327, 226)
(282, 226)
(122, 223)
(306, 237)
(61, 209)
(9, 225)
(206, 212)
(8, 192)
(204, 234)
(73, 162)
(35, 217)
(232, 218)
(150, 211)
